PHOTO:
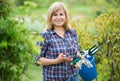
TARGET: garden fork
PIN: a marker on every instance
(93, 50)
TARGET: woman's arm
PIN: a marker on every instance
(45, 61)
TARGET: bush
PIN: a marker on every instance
(5, 7)
(16, 50)
(108, 28)
(16, 45)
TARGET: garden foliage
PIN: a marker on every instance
(16, 46)
(108, 36)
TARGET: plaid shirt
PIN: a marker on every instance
(54, 45)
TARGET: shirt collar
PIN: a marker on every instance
(51, 31)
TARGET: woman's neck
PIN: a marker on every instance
(59, 29)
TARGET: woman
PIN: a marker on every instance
(59, 47)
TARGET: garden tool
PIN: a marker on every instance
(93, 50)
(78, 61)
(87, 62)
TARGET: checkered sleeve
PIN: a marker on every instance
(43, 44)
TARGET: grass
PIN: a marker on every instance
(34, 73)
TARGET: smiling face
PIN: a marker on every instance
(58, 18)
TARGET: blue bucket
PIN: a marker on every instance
(88, 74)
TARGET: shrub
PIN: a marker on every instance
(16, 50)
(108, 28)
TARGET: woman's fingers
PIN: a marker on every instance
(64, 58)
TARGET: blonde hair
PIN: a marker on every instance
(54, 8)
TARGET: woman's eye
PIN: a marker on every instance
(61, 14)
(54, 14)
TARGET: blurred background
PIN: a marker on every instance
(96, 22)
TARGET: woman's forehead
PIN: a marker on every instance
(58, 9)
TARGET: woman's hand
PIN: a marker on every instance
(63, 58)
(80, 55)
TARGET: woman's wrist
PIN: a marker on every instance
(56, 61)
